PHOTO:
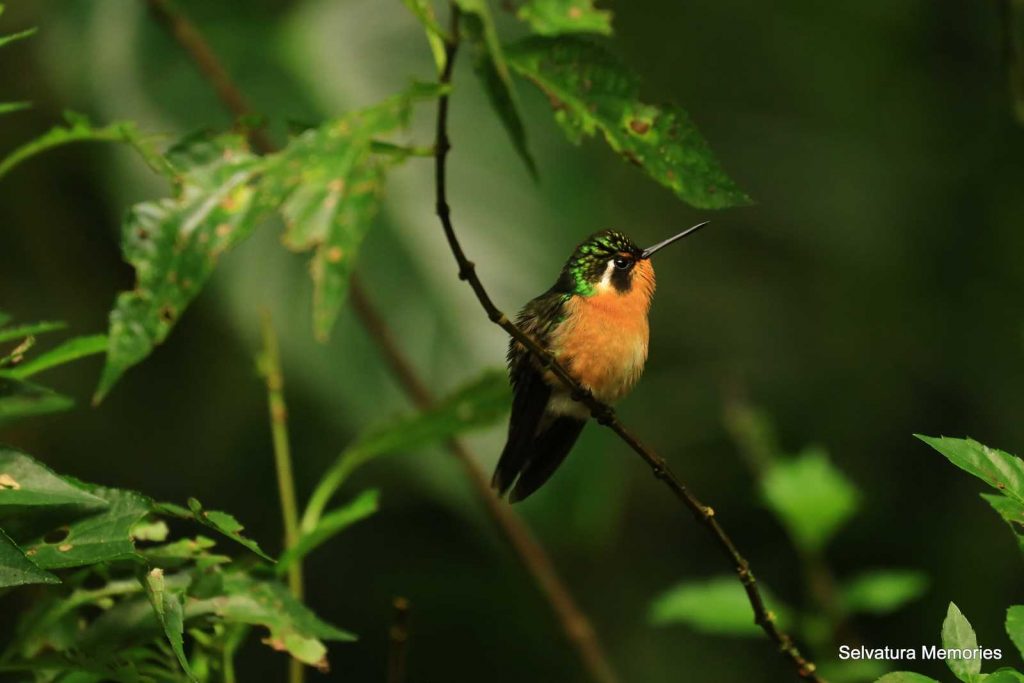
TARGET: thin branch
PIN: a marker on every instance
(534, 557)
(270, 368)
(398, 639)
(603, 413)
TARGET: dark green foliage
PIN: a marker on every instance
(556, 17)
(718, 606)
(592, 92)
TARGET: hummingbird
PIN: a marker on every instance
(594, 322)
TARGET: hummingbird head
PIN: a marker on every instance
(608, 261)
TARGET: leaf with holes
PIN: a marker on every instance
(18, 570)
(491, 67)
(100, 537)
(329, 183)
(174, 245)
(26, 483)
(557, 17)
(591, 92)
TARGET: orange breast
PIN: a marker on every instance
(604, 339)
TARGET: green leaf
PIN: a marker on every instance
(215, 519)
(22, 331)
(330, 525)
(424, 11)
(958, 634)
(883, 591)
(718, 605)
(1004, 675)
(22, 399)
(1011, 511)
(810, 496)
(1015, 626)
(68, 351)
(293, 627)
(11, 107)
(101, 537)
(556, 17)
(180, 552)
(999, 470)
(168, 610)
(329, 184)
(79, 129)
(174, 245)
(492, 68)
(905, 677)
(18, 570)
(25, 482)
(592, 92)
(475, 405)
(20, 35)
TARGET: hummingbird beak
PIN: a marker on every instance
(649, 251)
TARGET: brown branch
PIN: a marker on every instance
(398, 639)
(575, 624)
(602, 412)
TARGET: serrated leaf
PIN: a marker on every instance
(66, 352)
(23, 399)
(958, 634)
(331, 524)
(293, 627)
(1011, 511)
(424, 11)
(168, 610)
(27, 483)
(101, 537)
(18, 570)
(1015, 626)
(1001, 471)
(557, 17)
(329, 183)
(215, 519)
(477, 404)
(591, 92)
(491, 67)
(174, 245)
(882, 591)
(718, 605)
(810, 496)
(905, 677)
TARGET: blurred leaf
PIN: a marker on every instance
(999, 470)
(68, 351)
(1015, 626)
(293, 627)
(18, 570)
(220, 521)
(167, 607)
(20, 35)
(331, 524)
(477, 404)
(851, 671)
(1003, 675)
(174, 245)
(810, 496)
(718, 605)
(26, 482)
(592, 92)
(1011, 511)
(958, 634)
(11, 107)
(329, 183)
(22, 399)
(101, 537)
(22, 331)
(905, 677)
(79, 129)
(492, 68)
(424, 11)
(1014, 32)
(883, 591)
(555, 17)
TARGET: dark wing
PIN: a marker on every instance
(530, 394)
(547, 451)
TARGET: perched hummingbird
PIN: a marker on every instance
(594, 321)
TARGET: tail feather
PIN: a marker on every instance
(528, 405)
(546, 453)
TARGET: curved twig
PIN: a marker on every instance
(603, 413)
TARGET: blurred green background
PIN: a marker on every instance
(872, 292)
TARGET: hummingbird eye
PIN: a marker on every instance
(622, 263)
